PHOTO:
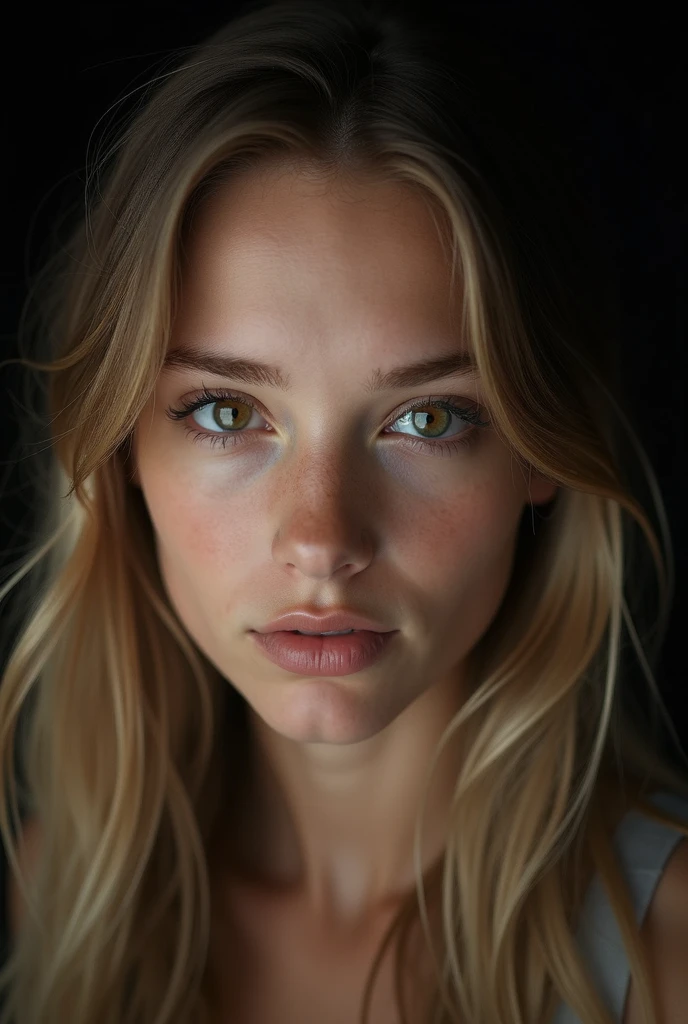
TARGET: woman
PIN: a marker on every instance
(324, 358)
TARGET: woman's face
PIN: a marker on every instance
(327, 494)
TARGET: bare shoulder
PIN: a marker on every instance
(665, 930)
(28, 844)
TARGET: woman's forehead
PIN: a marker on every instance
(301, 254)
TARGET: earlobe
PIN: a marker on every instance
(541, 490)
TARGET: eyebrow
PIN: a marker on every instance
(260, 374)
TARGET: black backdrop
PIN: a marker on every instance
(615, 79)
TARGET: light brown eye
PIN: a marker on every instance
(231, 413)
(434, 419)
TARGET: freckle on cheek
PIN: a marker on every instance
(201, 539)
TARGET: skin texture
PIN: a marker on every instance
(330, 281)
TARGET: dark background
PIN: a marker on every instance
(615, 78)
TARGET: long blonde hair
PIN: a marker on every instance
(117, 733)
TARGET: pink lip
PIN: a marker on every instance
(323, 655)
(318, 622)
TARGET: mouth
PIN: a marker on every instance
(334, 632)
(314, 622)
(324, 653)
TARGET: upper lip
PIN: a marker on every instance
(323, 622)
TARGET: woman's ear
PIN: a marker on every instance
(541, 490)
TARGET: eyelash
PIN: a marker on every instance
(437, 447)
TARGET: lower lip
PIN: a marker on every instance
(324, 655)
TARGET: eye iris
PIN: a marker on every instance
(225, 413)
(437, 424)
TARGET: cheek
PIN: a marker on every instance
(208, 534)
(204, 559)
(205, 548)
(452, 541)
(200, 522)
(202, 507)
(455, 559)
